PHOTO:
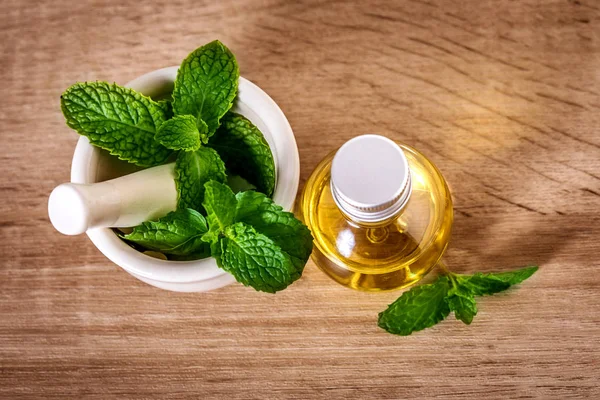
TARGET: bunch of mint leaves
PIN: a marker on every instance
(250, 236)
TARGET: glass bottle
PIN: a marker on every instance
(380, 212)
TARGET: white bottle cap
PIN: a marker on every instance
(370, 179)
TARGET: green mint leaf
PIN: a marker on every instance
(254, 259)
(117, 119)
(463, 304)
(206, 84)
(178, 233)
(480, 284)
(220, 204)
(182, 133)
(515, 277)
(418, 308)
(238, 184)
(291, 235)
(485, 284)
(245, 151)
(192, 170)
(254, 239)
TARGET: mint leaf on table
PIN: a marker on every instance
(481, 284)
(245, 151)
(117, 119)
(206, 84)
(178, 233)
(462, 302)
(514, 277)
(425, 305)
(192, 170)
(254, 259)
(282, 227)
(254, 239)
(182, 133)
(419, 308)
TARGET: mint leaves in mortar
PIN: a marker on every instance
(117, 119)
(250, 236)
(181, 133)
(206, 84)
(192, 170)
(177, 233)
(245, 151)
(254, 239)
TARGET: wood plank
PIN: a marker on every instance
(503, 96)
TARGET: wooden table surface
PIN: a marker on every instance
(504, 96)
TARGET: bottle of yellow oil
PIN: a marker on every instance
(380, 213)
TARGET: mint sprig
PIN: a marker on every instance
(206, 84)
(254, 239)
(291, 235)
(254, 259)
(117, 119)
(426, 305)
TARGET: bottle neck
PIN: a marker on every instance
(372, 216)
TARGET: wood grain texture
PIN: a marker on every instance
(504, 96)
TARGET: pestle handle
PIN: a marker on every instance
(122, 202)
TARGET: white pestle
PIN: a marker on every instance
(122, 202)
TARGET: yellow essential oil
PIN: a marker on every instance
(384, 222)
